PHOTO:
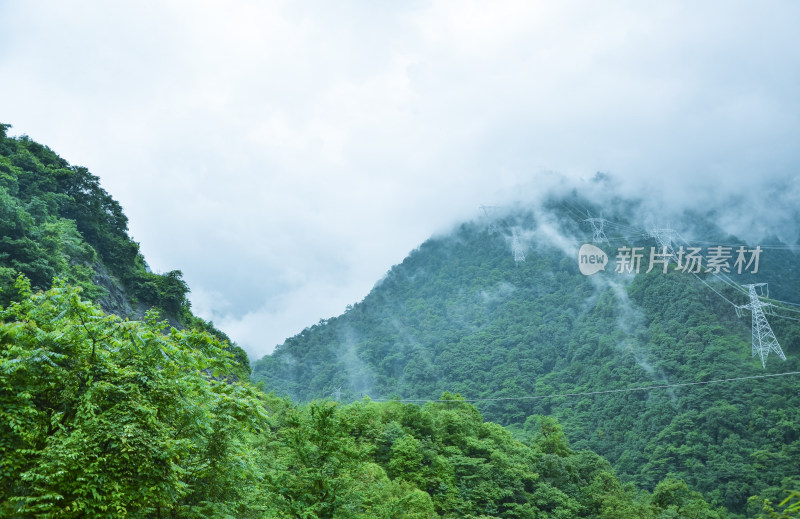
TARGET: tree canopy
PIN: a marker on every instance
(459, 314)
(57, 221)
(105, 417)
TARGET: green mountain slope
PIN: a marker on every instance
(57, 221)
(460, 314)
(104, 417)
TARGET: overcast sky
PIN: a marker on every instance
(284, 155)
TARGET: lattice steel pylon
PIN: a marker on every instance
(665, 238)
(516, 247)
(492, 227)
(598, 235)
(764, 339)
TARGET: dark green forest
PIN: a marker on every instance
(116, 401)
(56, 221)
(104, 417)
(459, 314)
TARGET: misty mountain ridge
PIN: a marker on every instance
(499, 312)
(556, 228)
(57, 221)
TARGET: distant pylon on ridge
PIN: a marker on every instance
(492, 228)
(598, 234)
(764, 339)
(665, 238)
(516, 247)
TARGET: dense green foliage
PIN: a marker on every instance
(57, 221)
(460, 315)
(103, 417)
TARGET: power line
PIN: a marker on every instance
(623, 226)
(734, 245)
(729, 281)
(703, 281)
(590, 393)
(784, 308)
(665, 237)
(574, 212)
(787, 317)
(784, 302)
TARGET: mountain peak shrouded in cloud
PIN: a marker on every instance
(647, 361)
(287, 155)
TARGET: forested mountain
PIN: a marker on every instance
(101, 417)
(151, 413)
(57, 221)
(466, 313)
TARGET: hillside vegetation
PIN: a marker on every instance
(56, 221)
(459, 314)
(115, 401)
(101, 417)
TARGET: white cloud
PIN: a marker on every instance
(285, 155)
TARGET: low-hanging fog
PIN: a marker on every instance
(285, 155)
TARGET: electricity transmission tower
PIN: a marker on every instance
(516, 247)
(337, 394)
(764, 339)
(598, 236)
(665, 238)
(492, 228)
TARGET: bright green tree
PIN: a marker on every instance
(101, 417)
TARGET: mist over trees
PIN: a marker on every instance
(460, 314)
(108, 417)
(116, 401)
(57, 221)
